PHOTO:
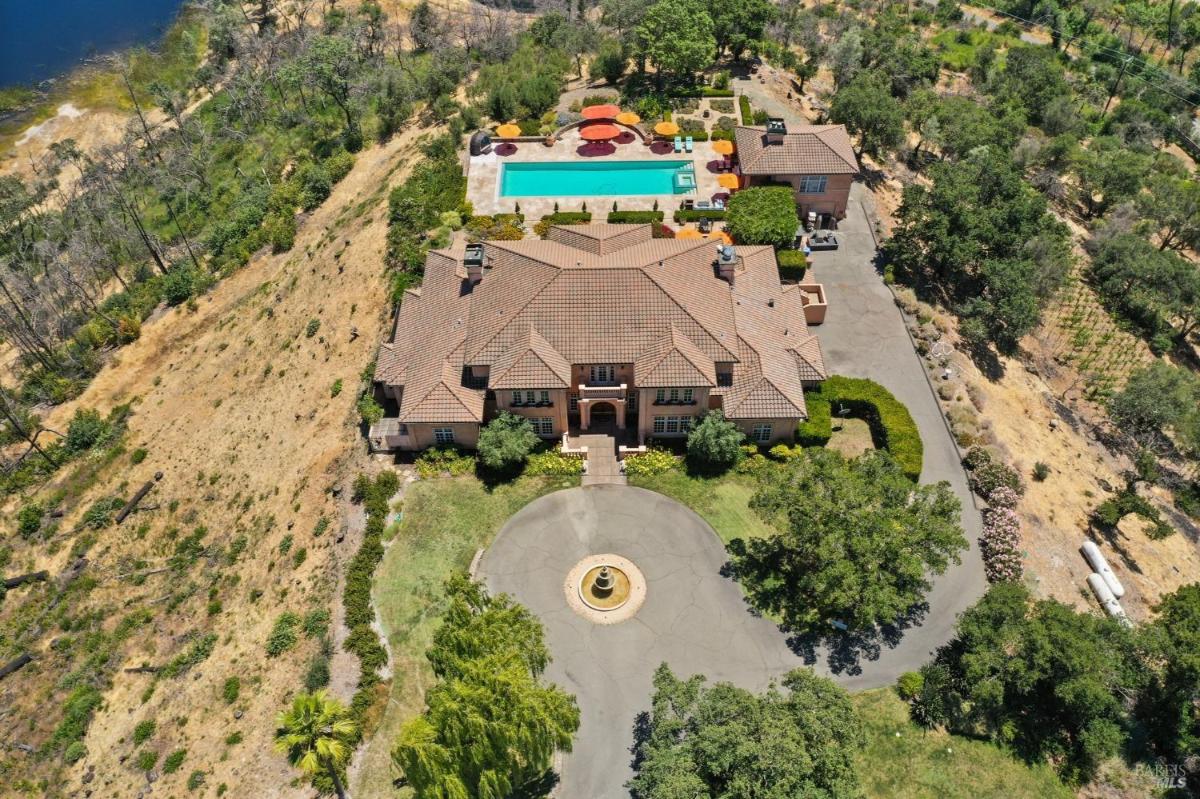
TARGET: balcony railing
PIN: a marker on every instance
(388, 434)
(602, 392)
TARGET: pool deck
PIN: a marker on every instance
(483, 178)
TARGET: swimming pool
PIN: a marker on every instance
(596, 178)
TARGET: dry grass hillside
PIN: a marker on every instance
(232, 401)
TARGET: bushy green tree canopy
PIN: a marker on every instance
(1036, 676)
(1157, 290)
(677, 37)
(983, 237)
(723, 741)
(714, 444)
(490, 725)
(1170, 707)
(506, 441)
(763, 215)
(856, 542)
(868, 110)
(1158, 399)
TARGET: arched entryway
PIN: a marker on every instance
(603, 418)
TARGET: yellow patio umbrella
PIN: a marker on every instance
(723, 237)
(509, 131)
(723, 147)
(666, 128)
(628, 118)
(689, 233)
(728, 181)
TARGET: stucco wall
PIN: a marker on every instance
(832, 201)
(556, 411)
(420, 436)
(782, 430)
(647, 410)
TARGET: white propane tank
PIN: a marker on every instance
(1111, 605)
(1100, 565)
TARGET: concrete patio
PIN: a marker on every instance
(483, 178)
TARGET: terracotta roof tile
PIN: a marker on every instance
(530, 363)
(674, 361)
(600, 238)
(543, 306)
(807, 150)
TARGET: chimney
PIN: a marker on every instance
(776, 130)
(726, 262)
(473, 260)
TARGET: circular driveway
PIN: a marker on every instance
(693, 618)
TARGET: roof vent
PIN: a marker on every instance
(776, 130)
(771, 303)
(726, 263)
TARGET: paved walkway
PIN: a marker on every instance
(603, 468)
(693, 618)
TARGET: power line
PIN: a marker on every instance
(1116, 53)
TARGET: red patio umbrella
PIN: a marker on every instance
(600, 112)
(599, 131)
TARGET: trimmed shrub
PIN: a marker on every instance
(561, 218)
(650, 462)
(634, 217)
(909, 685)
(714, 444)
(892, 426)
(792, 265)
(683, 215)
(762, 215)
(747, 111)
(506, 442)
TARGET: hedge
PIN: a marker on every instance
(696, 135)
(721, 135)
(634, 217)
(694, 215)
(792, 264)
(892, 426)
(561, 218)
(747, 111)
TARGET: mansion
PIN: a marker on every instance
(598, 328)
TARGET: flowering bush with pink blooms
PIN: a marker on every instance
(1000, 545)
(1003, 498)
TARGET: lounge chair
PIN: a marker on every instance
(688, 143)
(678, 144)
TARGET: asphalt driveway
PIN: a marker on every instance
(693, 618)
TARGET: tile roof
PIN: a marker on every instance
(807, 150)
(544, 305)
(674, 361)
(530, 363)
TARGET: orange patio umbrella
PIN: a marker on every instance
(723, 147)
(628, 118)
(607, 111)
(688, 233)
(728, 181)
(723, 237)
(508, 131)
(666, 128)
(599, 131)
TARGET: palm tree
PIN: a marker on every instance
(317, 734)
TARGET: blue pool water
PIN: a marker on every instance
(593, 178)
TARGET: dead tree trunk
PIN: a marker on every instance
(131, 505)
(17, 663)
(21, 579)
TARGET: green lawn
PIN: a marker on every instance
(444, 522)
(922, 764)
(723, 502)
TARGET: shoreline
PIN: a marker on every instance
(90, 85)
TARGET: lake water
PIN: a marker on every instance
(42, 39)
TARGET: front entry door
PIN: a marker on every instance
(603, 418)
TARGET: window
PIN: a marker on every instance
(602, 374)
(631, 400)
(543, 426)
(660, 396)
(403, 429)
(687, 396)
(516, 400)
(672, 425)
(725, 379)
(443, 435)
(573, 403)
(674, 395)
(544, 397)
(530, 398)
(762, 433)
(813, 184)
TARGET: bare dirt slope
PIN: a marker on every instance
(232, 401)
